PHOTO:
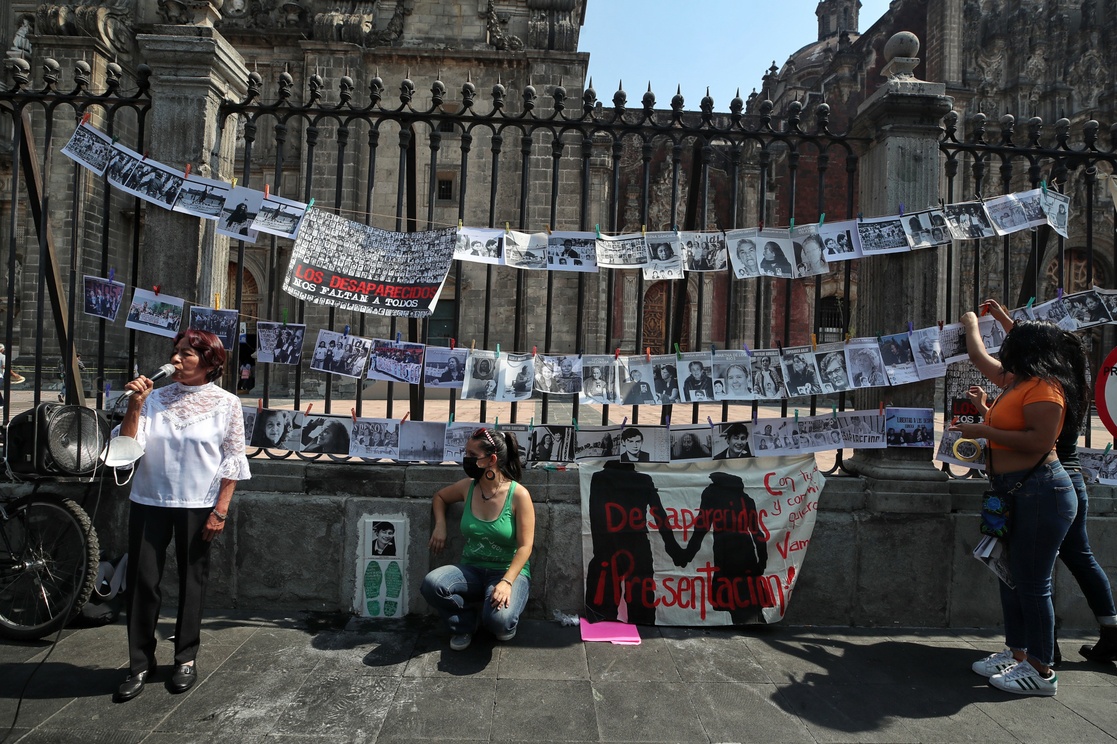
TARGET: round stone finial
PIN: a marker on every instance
(902, 44)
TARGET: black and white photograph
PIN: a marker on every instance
(819, 433)
(276, 429)
(479, 245)
(733, 370)
(202, 197)
(249, 415)
(879, 235)
(551, 443)
(279, 343)
(102, 297)
(597, 443)
(558, 375)
(151, 181)
(396, 361)
(665, 256)
(644, 444)
(599, 379)
(743, 253)
(1057, 208)
(926, 347)
(952, 340)
(444, 367)
(322, 433)
(692, 443)
(833, 372)
(525, 250)
(704, 251)
(1087, 308)
(340, 353)
(1006, 214)
(840, 241)
(767, 375)
(279, 216)
(422, 441)
(778, 436)
(899, 358)
(800, 373)
(221, 323)
(1055, 311)
(810, 259)
(666, 374)
(90, 147)
(992, 332)
(731, 441)
(155, 313)
(866, 368)
(776, 253)
(909, 427)
(637, 381)
(697, 382)
(622, 251)
(456, 438)
(517, 376)
(862, 429)
(1099, 466)
(238, 212)
(572, 251)
(927, 229)
(375, 438)
(1109, 299)
(482, 379)
(969, 221)
(945, 452)
(1031, 202)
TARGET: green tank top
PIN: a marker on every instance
(492, 544)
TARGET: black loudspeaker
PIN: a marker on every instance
(54, 439)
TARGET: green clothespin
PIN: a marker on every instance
(1031, 301)
(678, 354)
(597, 229)
(821, 219)
(496, 424)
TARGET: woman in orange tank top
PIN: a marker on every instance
(1041, 389)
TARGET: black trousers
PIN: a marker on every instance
(150, 529)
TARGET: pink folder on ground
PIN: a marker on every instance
(619, 633)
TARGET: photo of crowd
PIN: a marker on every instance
(91, 148)
(396, 361)
(151, 181)
(221, 323)
(155, 313)
(102, 297)
(340, 353)
(279, 343)
(201, 197)
(882, 235)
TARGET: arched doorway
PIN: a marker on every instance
(660, 299)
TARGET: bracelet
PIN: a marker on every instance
(220, 517)
(506, 581)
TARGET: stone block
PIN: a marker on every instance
(902, 577)
(973, 593)
(826, 589)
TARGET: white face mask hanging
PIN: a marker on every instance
(120, 454)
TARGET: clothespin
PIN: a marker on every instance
(85, 117)
(405, 417)
(531, 425)
(112, 273)
(451, 418)
(534, 350)
(155, 289)
(496, 424)
(507, 228)
(617, 353)
(746, 348)
(755, 416)
(901, 209)
(911, 328)
(984, 308)
(399, 335)
(1031, 301)
(674, 228)
(796, 418)
(821, 219)
(940, 326)
(710, 421)
(498, 351)
(713, 348)
(1059, 295)
(216, 300)
(108, 388)
(346, 333)
(848, 336)
(234, 184)
(188, 167)
(267, 191)
(144, 156)
(284, 317)
(1042, 184)
(760, 225)
(1108, 446)
(472, 345)
(834, 410)
(353, 413)
(459, 224)
(259, 404)
(678, 354)
(881, 410)
(779, 346)
(648, 353)
(644, 230)
(452, 342)
(667, 419)
(597, 229)
(791, 229)
(308, 407)
(624, 422)
(575, 422)
(860, 216)
(814, 341)
(310, 204)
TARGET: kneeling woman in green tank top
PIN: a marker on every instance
(490, 586)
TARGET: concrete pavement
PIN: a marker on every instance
(314, 679)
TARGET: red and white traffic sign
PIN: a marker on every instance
(1105, 392)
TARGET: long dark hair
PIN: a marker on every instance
(506, 449)
(1039, 349)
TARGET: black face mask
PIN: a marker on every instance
(471, 468)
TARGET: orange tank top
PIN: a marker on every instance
(1008, 410)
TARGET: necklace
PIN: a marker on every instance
(491, 496)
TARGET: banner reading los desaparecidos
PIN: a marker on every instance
(348, 265)
(699, 543)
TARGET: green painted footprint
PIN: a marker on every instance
(390, 608)
(393, 580)
(373, 577)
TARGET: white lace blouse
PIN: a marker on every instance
(193, 437)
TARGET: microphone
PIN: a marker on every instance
(165, 371)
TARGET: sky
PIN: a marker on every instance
(722, 44)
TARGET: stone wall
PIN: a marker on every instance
(876, 558)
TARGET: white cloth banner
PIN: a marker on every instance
(700, 543)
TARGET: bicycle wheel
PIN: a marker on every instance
(48, 565)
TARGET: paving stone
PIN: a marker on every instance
(650, 661)
(736, 711)
(551, 710)
(646, 712)
(346, 707)
(440, 708)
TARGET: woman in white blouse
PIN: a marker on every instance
(192, 433)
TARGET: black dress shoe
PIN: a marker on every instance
(131, 687)
(184, 677)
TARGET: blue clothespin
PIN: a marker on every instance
(910, 328)
(399, 335)
(346, 332)
(108, 388)
(668, 419)
(112, 273)
(713, 348)
(498, 351)
(1060, 294)
(901, 209)
(746, 348)
(710, 421)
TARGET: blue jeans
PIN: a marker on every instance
(1043, 509)
(459, 591)
(1075, 553)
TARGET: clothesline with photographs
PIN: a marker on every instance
(794, 252)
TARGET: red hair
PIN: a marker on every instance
(209, 348)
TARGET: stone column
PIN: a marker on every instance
(902, 166)
(194, 69)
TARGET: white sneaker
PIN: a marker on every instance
(1025, 679)
(460, 642)
(994, 663)
(505, 636)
